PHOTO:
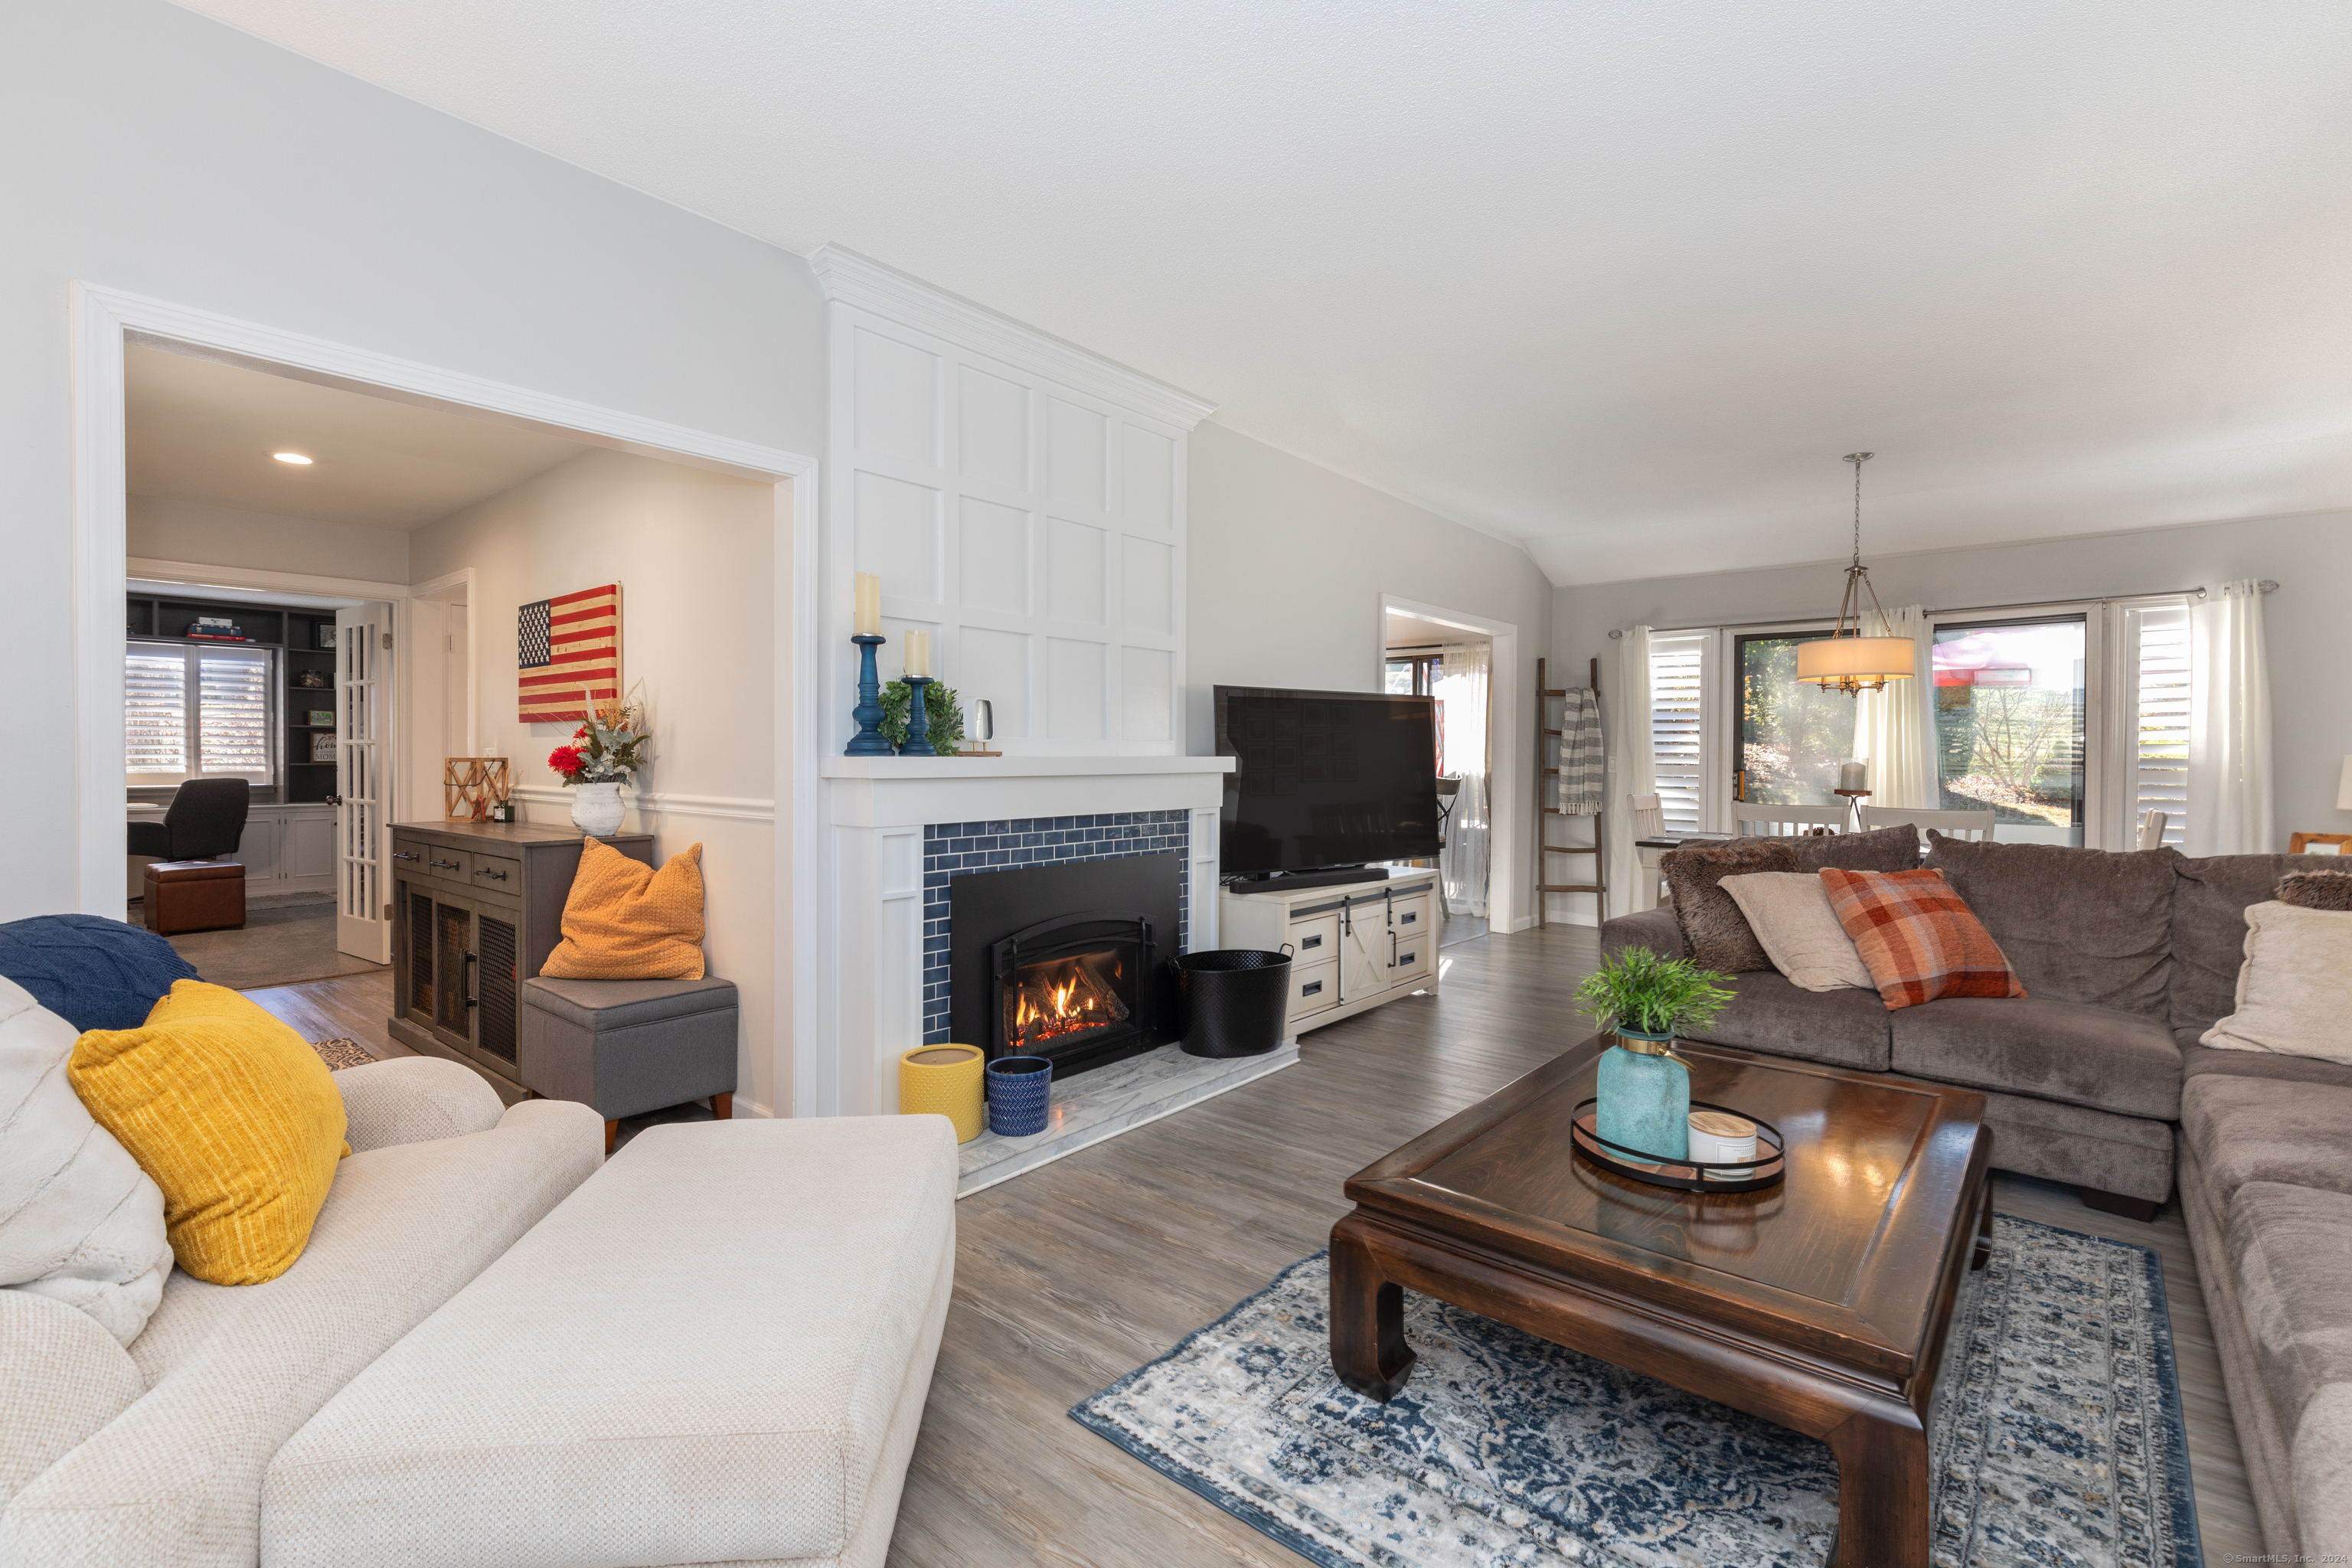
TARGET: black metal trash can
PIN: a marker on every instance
(1233, 1002)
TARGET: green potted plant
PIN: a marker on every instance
(1643, 1087)
(941, 707)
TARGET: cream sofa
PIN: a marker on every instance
(714, 1347)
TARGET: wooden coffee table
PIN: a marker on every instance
(1820, 1304)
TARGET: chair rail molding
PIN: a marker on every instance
(102, 318)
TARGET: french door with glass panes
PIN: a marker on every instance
(362, 781)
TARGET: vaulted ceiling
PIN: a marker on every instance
(1619, 279)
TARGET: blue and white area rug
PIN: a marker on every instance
(2057, 1438)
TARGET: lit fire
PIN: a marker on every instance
(1050, 1008)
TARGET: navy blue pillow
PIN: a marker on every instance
(94, 973)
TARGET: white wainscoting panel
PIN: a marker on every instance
(1022, 500)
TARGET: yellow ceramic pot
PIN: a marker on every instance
(945, 1080)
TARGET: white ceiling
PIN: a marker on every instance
(1408, 631)
(1622, 278)
(199, 430)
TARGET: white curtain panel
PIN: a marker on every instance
(1463, 673)
(1894, 729)
(2229, 725)
(1632, 764)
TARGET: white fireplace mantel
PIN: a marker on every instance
(874, 942)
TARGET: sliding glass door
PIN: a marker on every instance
(1792, 736)
(2010, 724)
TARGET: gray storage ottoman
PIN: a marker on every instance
(629, 1046)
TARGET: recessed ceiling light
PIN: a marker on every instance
(297, 458)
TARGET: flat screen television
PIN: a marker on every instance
(1325, 779)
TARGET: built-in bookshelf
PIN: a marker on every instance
(306, 641)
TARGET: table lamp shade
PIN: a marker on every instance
(2344, 788)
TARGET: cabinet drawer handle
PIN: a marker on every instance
(1314, 989)
(1306, 942)
(485, 871)
(407, 855)
(444, 865)
(1406, 959)
(1408, 920)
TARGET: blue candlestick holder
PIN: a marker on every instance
(868, 742)
(918, 719)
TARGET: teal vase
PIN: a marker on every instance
(1644, 1096)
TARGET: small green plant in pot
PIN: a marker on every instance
(1643, 1087)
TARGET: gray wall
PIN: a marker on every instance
(2306, 620)
(1289, 561)
(157, 150)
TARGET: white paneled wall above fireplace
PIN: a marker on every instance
(1023, 502)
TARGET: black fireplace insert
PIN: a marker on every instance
(1064, 960)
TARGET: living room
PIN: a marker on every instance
(1115, 388)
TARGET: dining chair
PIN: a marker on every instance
(2151, 830)
(1975, 824)
(1754, 819)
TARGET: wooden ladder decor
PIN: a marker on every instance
(1550, 750)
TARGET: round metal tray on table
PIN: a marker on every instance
(1766, 1169)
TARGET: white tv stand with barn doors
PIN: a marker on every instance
(1353, 947)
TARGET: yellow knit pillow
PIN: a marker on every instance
(235, 1117)
(625, 920)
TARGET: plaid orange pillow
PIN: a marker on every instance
(1917, 938)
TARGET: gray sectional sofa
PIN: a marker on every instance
(2095, 1078)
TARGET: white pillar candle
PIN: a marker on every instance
(1717, 1138)
(1853, 775)
(918, 653)
(869, 604)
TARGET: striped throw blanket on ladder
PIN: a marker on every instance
(1581, 770)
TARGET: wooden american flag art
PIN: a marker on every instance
(564, 645)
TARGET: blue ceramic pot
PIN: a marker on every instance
(1020, 1090)
(1644, 1091)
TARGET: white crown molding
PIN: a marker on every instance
(849, 278)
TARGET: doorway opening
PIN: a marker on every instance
(1455, 665)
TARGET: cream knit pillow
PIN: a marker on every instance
(79, 1221)
(1790, 914)
(2294, 990)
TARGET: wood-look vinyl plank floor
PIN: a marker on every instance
(1073, 1274)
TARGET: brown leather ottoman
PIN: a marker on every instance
(195, 895)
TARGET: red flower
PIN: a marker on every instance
(565, 759)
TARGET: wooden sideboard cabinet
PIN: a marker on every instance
(1353, 946)
(477, 908)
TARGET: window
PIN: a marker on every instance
(191, 712)
(2009, 711)
(1678, 726)
(2158, 743)
(1413, 674)
(1792, 736)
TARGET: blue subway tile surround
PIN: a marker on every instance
(951, 849)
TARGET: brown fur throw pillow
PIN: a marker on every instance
(1881, 849)
(1717, 933)
(2316, 890)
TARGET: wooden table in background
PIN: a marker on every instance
(1820, 1304)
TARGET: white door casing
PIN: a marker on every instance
(363, 833)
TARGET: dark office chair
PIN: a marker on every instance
(204, 821)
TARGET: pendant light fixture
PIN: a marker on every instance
(1850, 659)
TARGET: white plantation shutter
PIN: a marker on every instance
(2160, 721)
(192, 711)
(232, 713)
(155, 713)
(1677, 732)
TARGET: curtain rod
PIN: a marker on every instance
(2268, 585)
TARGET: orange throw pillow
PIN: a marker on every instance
(1917, 938)
(625, 920)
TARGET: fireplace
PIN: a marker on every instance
(1064, 960)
